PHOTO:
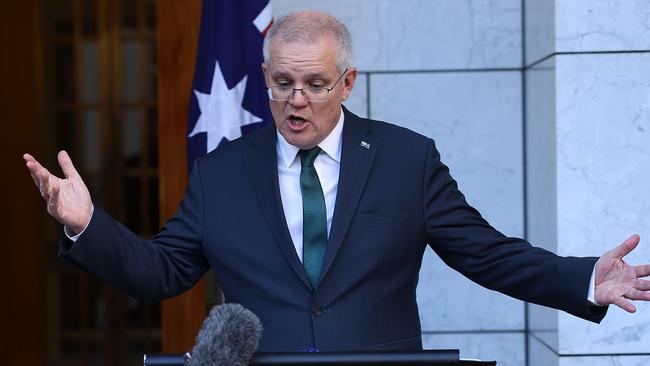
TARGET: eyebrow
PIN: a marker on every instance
(278, 74)
(308, 76)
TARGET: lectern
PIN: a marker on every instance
(421, 358)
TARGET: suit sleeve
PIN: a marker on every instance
(467, 243)
(149, 270)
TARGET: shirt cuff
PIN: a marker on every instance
(73, 238)
(591, 297)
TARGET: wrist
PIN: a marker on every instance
(76, 228)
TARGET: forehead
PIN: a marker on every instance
(301, 56)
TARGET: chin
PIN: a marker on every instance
(299, 140)
(300, 144)
(303, 145)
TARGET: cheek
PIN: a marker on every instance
(276, 111)
(323, 117)
(329, 111)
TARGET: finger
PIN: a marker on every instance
(624, 304)
(28, 158)
(633, 294)
(53, 199)
(66, 165)
(46, 188)
(50, 183)
(53, 206)
(642, 270)
(44, 179)
(35, 168)
(624, 248)
(31, 162)
(40, 175)
(643, 285)
(40, 182)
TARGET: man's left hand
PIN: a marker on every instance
(617, 282)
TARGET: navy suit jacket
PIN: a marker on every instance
(394, 198)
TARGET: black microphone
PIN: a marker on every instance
(229, 336)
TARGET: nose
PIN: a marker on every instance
(298, 98)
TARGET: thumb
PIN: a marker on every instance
(625, 248)
(66, 165)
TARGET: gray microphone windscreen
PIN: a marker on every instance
(229, 336)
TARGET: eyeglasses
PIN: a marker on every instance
(284, 93)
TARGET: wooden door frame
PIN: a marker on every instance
(177, 31)
(21, 274)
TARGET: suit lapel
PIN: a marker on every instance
(261, 162)
(358, 153)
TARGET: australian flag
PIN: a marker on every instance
(229, 94)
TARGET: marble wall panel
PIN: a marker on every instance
(450, 302)
(541, 180)
(540, 29)
(585, 26)
(357, 102)
(539, 354)
(475, 119)
(506, 348)
(543, 323)
(603, 133)
(605, 361)
(425, 35)
(618, 333)
(603, 148)
(602, 25)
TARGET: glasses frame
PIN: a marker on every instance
(302, 91)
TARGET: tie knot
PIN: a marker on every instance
(307, 157)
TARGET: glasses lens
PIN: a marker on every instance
(285, 93)
(280, 93)
(315, 94)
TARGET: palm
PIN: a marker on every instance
(617, 282)
(68, 200)
(71, 203)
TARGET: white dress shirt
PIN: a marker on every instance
(327, 165)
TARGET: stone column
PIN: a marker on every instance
(587, 122)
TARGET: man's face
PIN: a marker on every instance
(302, 64)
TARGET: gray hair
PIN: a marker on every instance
(311, 26)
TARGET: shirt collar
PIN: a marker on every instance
(331, 145)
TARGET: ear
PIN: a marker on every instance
(348, 82)
(264, 69)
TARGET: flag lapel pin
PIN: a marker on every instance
(365, 145)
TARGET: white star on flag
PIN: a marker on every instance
(222, 114)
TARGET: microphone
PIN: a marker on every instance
(229, 336)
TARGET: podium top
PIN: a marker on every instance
(427, 357)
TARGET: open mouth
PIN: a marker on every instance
(296, 122)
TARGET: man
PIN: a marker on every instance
(318, 223)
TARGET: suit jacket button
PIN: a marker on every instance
(317, 310)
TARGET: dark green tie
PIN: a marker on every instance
(314, 218)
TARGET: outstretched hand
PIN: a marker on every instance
(68, 200)
(617, 282)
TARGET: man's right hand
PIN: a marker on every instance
(68, 200)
